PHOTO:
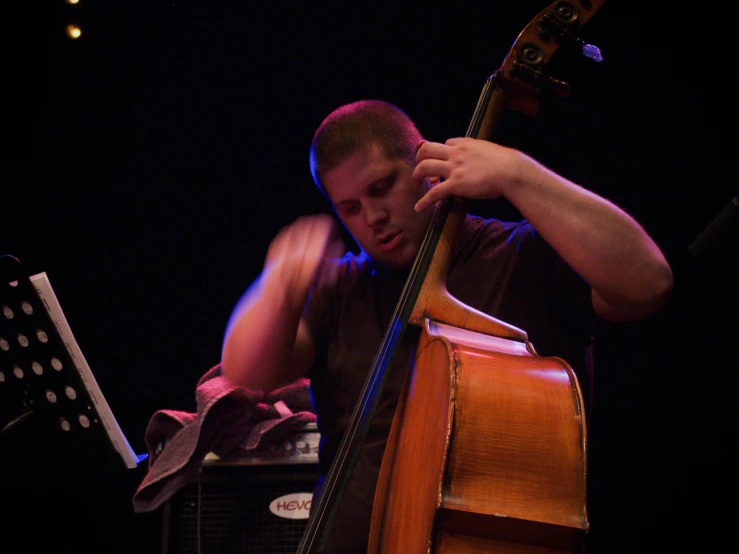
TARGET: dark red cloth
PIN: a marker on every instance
(228, 417)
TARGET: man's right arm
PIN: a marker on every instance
(267, 343)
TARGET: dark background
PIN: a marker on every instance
(148, 164)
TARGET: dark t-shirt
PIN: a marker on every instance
(503, 269)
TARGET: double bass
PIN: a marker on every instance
(488, 447)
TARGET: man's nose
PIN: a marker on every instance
(375, 212)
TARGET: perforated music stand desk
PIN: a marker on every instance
(53, 415)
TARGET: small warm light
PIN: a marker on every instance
(73, 31)
(73, 1)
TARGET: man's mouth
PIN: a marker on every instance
(389, 241)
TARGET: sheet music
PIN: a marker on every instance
(42, 285)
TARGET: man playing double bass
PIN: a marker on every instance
(313, 312)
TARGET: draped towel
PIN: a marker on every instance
(227, 417)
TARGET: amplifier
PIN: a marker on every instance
(248, 503)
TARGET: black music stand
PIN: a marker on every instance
(53, 416)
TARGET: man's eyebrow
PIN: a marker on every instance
(389, 175)
(345, 201)
(372, 184)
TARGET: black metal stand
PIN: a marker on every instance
(53, 416)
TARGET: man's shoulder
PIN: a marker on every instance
(477, 224)
(477, 230)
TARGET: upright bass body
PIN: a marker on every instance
(487, 451)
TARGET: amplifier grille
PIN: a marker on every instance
(228, 511)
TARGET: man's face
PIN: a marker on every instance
(374, 198)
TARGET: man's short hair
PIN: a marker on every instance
(354, 126)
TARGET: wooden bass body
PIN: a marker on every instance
(487, 451)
